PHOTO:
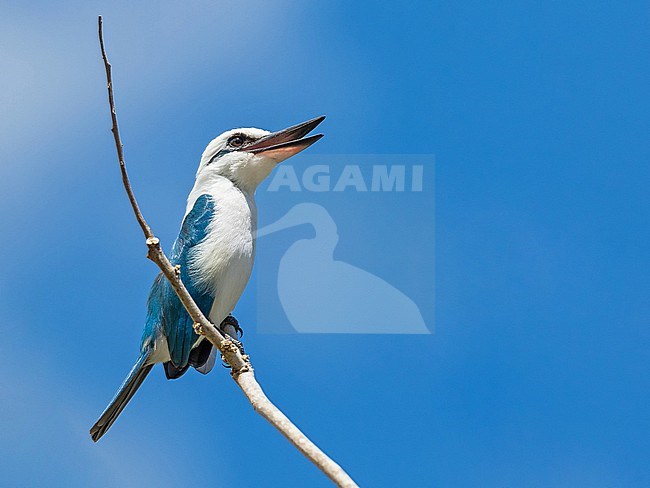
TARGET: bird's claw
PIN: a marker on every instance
(239, 346)
(232, 322)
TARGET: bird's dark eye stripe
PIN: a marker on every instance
(218, 155)
(233, 143)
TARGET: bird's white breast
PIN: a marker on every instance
(223, 261)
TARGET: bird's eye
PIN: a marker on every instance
(236, 141)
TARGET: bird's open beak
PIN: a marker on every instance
(288, 142)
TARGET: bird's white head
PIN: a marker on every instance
(247, 156)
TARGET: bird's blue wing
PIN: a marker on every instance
(166, 313)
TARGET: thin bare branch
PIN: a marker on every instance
(118, 142)
(241, 368)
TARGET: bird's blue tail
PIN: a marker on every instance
(130, 385)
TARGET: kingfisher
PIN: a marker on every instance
(215, 250)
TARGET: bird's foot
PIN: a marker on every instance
(239, 346)
(231, 321)
(230, 326)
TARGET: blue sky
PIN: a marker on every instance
(538, 117)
